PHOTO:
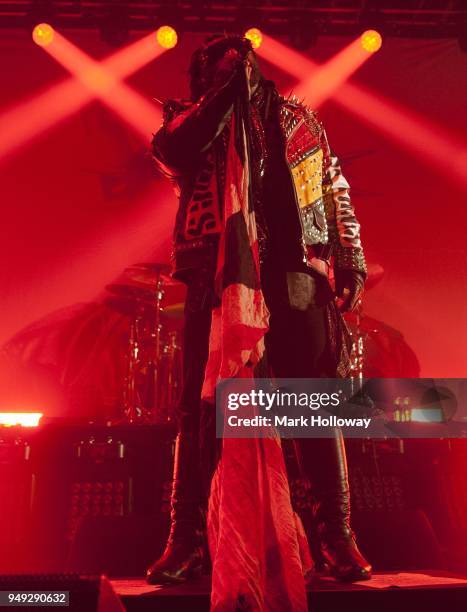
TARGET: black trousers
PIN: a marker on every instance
(296, 344)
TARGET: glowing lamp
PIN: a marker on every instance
(43, 34)
(371, 41)
(255, 37)
(167, 37)
(24, 419)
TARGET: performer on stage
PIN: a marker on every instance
(304, 220)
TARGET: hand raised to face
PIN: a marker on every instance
(230, 62)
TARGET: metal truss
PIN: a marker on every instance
(411, 18)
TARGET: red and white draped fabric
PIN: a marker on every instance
(258, 549)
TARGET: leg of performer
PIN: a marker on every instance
(323, 462)
(183, 555)
(298, 347)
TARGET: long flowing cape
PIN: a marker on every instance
(258, 548)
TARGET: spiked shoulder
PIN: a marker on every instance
(293, 110)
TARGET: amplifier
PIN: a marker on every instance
(379, 475)
(85, 473)
(16, 493)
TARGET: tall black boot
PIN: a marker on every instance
(183, 555)
(323, 462)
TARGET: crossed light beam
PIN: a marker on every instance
(327, 78)
(92, 79)
(146, 226)
(405, 127)
(104, 80)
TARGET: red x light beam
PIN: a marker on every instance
(105, 84)
(29, 119)
(140, 234)
(417, 134)
(327, 78)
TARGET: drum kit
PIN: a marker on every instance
(153, 368)
(154, 354)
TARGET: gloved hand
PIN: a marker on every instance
(349, 287)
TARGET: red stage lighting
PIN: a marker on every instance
(102, 82)
(255, 36)
(371, 41)
(417, 133)
(25, 419)
(43, 34)
(167, 37)
(29, 119)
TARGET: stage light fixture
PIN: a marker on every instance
(255, 36)
(43, 34)
(167, 37)
(371, 41)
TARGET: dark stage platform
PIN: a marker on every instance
(429, 591)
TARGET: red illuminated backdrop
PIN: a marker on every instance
(80, 201)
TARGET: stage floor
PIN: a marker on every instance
(428, 590)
